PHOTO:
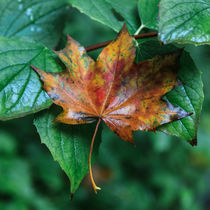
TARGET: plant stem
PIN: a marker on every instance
(95, 187)
(139, 29)
(103, 44)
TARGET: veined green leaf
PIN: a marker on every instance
(185, 21)
(110, 12)
(37, 19)
(189, 97)
(148, 12)
(20, 88)
(68, 144)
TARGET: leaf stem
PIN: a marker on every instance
(103, 44)
(139, 29)
(95, 187)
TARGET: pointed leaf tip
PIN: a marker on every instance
(41, 73)
(123, 34)
(124, 27)
(56, 52)
(36, 69)
(72, 196)
(193, 142)
(69, 37)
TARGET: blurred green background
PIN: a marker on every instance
(162, 172)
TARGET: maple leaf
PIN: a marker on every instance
(126, 95)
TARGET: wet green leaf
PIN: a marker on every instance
(20, 88)
(37, 19)
(185, 21)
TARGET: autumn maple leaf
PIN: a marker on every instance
(125, 95)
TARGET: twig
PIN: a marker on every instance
(103, 44)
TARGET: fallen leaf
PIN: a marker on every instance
(125, 95)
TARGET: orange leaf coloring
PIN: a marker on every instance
(125, 95)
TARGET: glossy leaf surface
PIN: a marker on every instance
(185, 21)
(20, 88)
(37, 19)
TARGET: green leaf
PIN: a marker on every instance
(69, 144)
(189, 96)
(40, 20)
(148, 12)
(20, 87)
(185, 21)
(110, 12)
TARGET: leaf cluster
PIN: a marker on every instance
(29, 29)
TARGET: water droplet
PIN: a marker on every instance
(28, 12)
(19, 0)
(32, 28)
(39, 29)
(14, 98)
(20, 7)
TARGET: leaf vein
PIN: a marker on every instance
(46, 14)
(191, 17)
(20, 14)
